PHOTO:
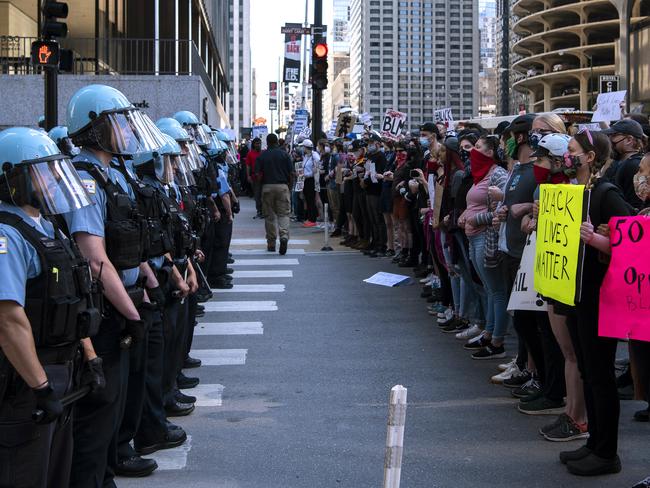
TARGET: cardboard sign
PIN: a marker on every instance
(625, 292)
(300, 176)
(523, 295)
(609, 106)
(558, 249)
(345, 123)
(445, 116)
(261, 131)
(393, 123)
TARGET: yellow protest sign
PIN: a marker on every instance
(558, 241)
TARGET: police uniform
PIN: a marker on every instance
(33, 455)
(217, 257)
(98, 416)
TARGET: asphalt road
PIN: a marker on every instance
(304, 404)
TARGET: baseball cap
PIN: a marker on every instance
(522, 123)
(307, 143)
(628, 127)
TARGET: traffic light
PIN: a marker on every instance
(45, 53)
(51, 27)
(319, 64)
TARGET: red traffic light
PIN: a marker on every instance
(320, 50)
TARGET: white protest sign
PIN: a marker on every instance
(386, 279)
(365, 118)
(261, 131)
(300, 176)
(393, 123)
(445, 116)
(300, 123)
(609, 106)
(595, 127)
(524, 296)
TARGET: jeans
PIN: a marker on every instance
(473, 299)
(495, 282)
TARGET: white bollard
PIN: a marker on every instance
(326, 221)
(395, 437)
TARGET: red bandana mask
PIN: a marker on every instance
(480, 165)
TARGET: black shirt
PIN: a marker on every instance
(380, 167)
(520, 188)
(624, 179)
(275, 165)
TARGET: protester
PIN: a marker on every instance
(254, 179)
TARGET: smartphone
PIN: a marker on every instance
(415, 173)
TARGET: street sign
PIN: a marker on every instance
(294, 30)
(609, 83)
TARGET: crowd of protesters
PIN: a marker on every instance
(466, 248)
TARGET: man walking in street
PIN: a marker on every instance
(276, 169)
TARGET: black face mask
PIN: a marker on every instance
(464, 156)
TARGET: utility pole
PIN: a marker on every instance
(317, 94)
(304, 58)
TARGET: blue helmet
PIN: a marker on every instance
(191, 123)
(59, 135)
(172, 128)
(34, 172)
(101, 116)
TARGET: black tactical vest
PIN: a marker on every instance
(59, 303)
(155, 212)
(125, 231)
(183, 237)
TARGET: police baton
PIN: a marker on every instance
(38, 414)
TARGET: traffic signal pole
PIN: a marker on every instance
(51, 97)
(317, 102)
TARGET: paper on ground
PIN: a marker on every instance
(387, 279)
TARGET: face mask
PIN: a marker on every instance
(464, 156)
(642, 187)
(541, 174)
(300, 150)
(480, 165)
(501, 154)
(512, 148)
(571, 165)
(533, 140)
(424, 142)
(372, 148)
(327, 150)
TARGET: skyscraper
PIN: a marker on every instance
(241, 84)
(339, 62)
(415, 57)
(488, 73)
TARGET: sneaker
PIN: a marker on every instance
(580, 453)
(642, 415)
(448, 319)
(446, 314)
(490, 352)
(542, 406)
(643, 483)
(507, 366)
(436, 308)
(309, 224)
(427, 280)
(478, 342)
(566, 430)
(456, 325)
(517, 379)
(593, 465)
(531, 387)
(498, 379)
(473, 331)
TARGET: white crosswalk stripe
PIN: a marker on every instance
(241, 306)
(274, 288)
(208, 395)
(264, 252)
(271, 273)
(220, 357)
(252, 242)
(266, 262)
(228, 328)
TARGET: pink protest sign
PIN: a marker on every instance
(625, 292)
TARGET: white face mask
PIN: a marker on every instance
(327, 149)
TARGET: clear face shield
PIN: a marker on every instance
(52, 185)
(198, 134)
(164, 169)
(182, 173)
(191, 151)
(127, 133)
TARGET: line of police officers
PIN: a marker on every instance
(110, 237)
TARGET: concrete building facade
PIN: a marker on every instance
(415, 57)
(241, 82)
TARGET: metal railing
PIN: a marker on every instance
(113, 57)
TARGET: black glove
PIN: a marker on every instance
(93, 375)
(157, 296)
(50, 404)
(135, 329)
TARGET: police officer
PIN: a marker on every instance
(59, 135)
(111, 235)
(46, 307)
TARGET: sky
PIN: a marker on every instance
(267, 43)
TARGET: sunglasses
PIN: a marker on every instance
(586, 131)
